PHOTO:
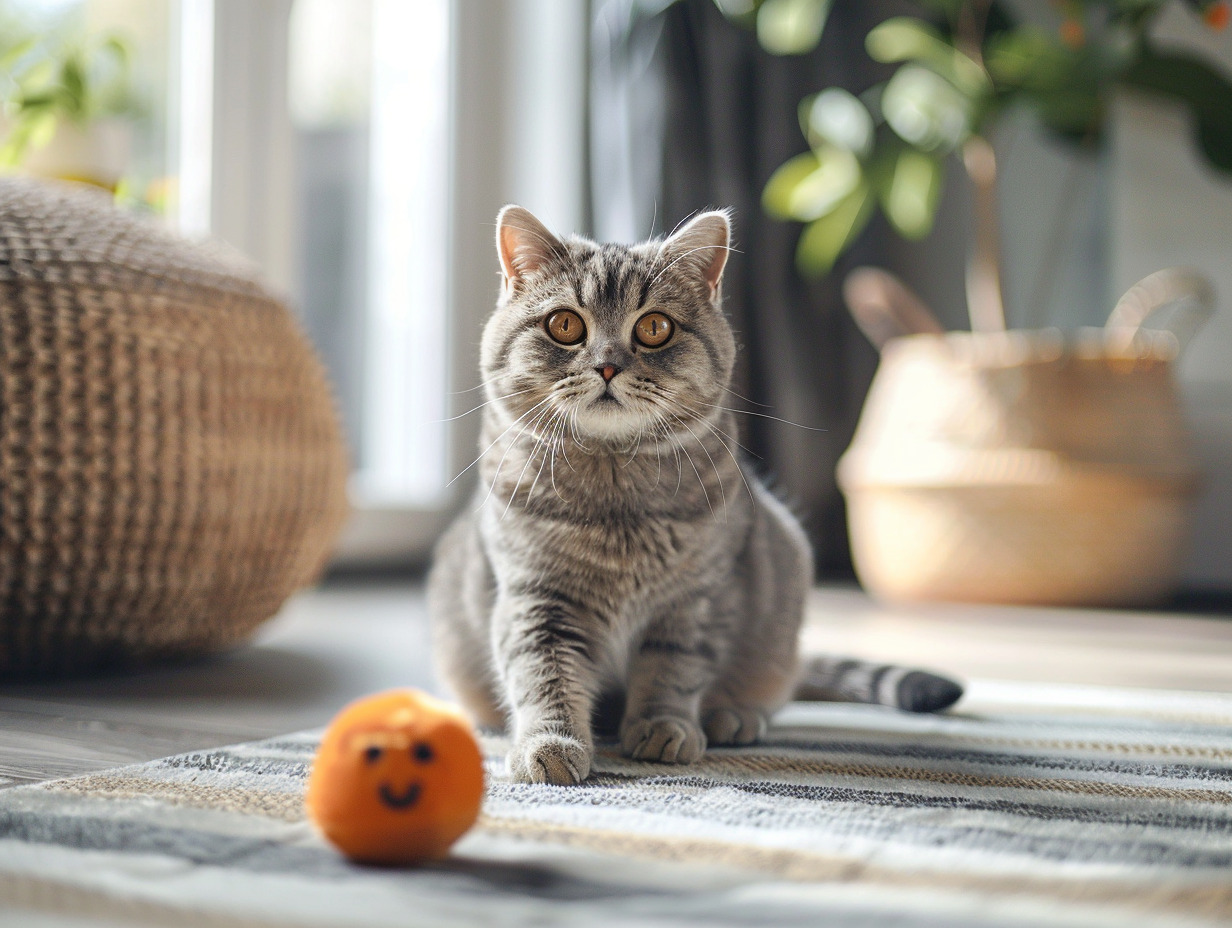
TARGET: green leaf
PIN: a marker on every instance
(39, 75)
(907, 39)
(16, 53)
(37, 100)
(827, 237)
(1206, 91)
(73, 80)
(1183, 76)
(1072, 113)
(31, 130)
(776, 197)
(791, 27)
(42, 129)
(926, 110)
(118, 48)
(11, 153)
(1028, 57)
(949, 8)
(836, 117)
(909, 192)
(1215, 140)
(811, 185)
(1068, 88)
(742, 12)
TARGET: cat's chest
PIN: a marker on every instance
(620, 556)
(625, 529)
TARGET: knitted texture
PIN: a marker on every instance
(171, 463)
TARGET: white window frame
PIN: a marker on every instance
(518, 102)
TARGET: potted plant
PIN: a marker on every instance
(1000, 465)
(66, 107)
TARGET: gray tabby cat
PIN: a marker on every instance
(621, 561)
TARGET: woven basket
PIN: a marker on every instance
(1028, 467)
(171, 464)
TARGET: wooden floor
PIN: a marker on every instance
(325, 648)
(334, 644)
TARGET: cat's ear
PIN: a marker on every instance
(701, 244)
(523, 244)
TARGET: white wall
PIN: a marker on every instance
(1167, 208)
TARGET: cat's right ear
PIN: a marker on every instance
(523, 244)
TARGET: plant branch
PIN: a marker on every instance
(969, 34)
(985, 303)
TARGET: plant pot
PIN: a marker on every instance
(99, 153)
(1025, 466)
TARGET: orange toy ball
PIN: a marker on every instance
(398, 778)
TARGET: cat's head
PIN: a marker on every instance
(611, 342)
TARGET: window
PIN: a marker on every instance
(358, 151)
(368, 94)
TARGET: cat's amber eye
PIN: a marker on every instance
(653, 329)
(566, 327)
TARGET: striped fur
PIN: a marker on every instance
(620, 557)
(836, 679)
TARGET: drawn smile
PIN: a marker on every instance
(403, 800)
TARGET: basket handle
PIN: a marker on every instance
(1186, 289)
(885, 308)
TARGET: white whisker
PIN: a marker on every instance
(659, 430)
(714, 467)
(741, 396)
(552, 474)
(530, 456)
(485, 403)
(700, 481)
(554, 245)
(683, 222)
(680, 258)
(497, 439)
(508, 448)
(529, 425)
(577, 439)
(746, 412)
(718, 434)
(558, 424)
(481, 384)
(719, 431)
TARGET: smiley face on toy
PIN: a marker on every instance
(398, 778)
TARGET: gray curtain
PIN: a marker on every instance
(687, 112)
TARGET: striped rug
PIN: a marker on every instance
(1028, 805)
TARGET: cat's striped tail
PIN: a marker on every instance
(837, 679)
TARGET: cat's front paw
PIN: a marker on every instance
(734, 725)
(667, 739)
(548, 758)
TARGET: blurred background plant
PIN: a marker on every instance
(958, 68)
(51, 84)
(71, 105)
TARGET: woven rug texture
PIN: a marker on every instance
(1028, 805)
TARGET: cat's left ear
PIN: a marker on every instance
(523, 244)
(702, 244)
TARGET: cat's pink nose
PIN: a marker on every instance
(608, 371)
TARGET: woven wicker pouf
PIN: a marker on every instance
(171, 463)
